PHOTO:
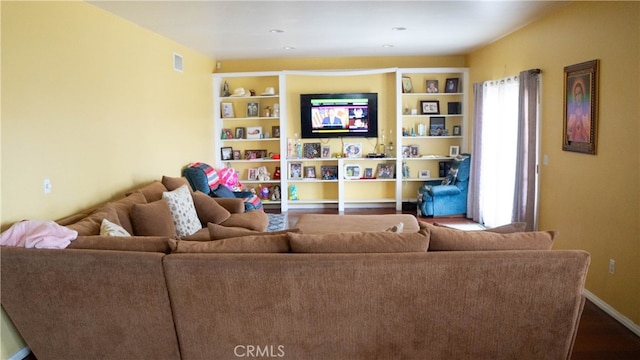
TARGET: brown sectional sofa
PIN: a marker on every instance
(301, 295)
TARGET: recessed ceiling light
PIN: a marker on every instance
(276, 31)
(387, 46)
(288, 48)
(398, 28)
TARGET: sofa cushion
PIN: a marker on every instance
(253, 220)
(107, 228)
(448, 239)
(153, 219)
(219, 232)
(90, 225)
(208, 209)
(245, 244)
(172, 183)
(123, 208)
(360, 242)
(136, 243)
(509, 228)
(153, 192)
(182, 211)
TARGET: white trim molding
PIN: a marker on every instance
(21, 354)
(635, 328)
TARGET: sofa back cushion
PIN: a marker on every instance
(135, 243)
(90, 225)
(208, 209)
(360, 242)
(153, 219)
(123, 208)
(219, 232)
(277, 243)
(448, 239)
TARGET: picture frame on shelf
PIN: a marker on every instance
(385, 171)
(241, 132)
(226, 134)
(452, 85)
(437, 126)
(430, 107)
(311, 150)
(255, 154)
(275, 130)
(309, 172)
(368, 173)
(580, 103)
(237, 155)
(406, 151)
(407, 87)
(457, 130)
(414, 151)
(424, 174)
(329, 172)
(454, 150)
(353, 150)
(432, 87)
(325, 151)
(252, 174)
(254, 132)
(226, 153)
(226, 109)
(253, 109)
(352, 171)
(295, 170)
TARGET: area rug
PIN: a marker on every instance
(277, 222)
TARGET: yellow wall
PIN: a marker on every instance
(594, 201)
(92, 102)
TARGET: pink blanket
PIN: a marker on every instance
(38, 234)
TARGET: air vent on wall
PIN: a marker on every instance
(177, 62)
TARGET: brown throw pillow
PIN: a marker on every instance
(219, 232)
(153, 219)
(172, 183)
(123, 207)
(208, 209)
(448, 239)
(153, 192)
(360, 242)
(244, 244)
(509, 228)
(90, 225)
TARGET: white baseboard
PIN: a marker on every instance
(635, 328)
(21, 354)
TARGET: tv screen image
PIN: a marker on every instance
(337, 115)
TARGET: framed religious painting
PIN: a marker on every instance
(580, 107)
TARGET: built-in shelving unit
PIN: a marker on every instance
(349, 188)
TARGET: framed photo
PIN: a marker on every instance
(385, 171)
(424, 174)
(241, 133)
(430, 107)
(368, 173)
(454, 150)
(237, 155)
(226, 153)
(353, 150)
(437, 126)
(309, 172)
(452, 85)
(226, 134)
(407, 87)
(311, 150)
(432, 86)
(227, 110)
(415, 151)
(275, 130)
(352, 171)
(329, 172)
(457, 130)
(295, 170)
(581, 107)
(255, 154)
(406, 151)
(254, 132)
(253, 109)
(252, 174)
(326, 151)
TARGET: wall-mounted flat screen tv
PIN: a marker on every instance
(338, 115)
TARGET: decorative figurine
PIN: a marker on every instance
(293, 193)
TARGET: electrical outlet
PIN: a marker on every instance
(47, 186)
(612, 266)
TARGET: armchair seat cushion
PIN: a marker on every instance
(444, 190)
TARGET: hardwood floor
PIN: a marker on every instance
(600, 337)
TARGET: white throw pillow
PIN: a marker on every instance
(107, 228)
(184, 214)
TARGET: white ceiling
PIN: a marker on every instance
(240, 29)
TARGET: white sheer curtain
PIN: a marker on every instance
(496, 132)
